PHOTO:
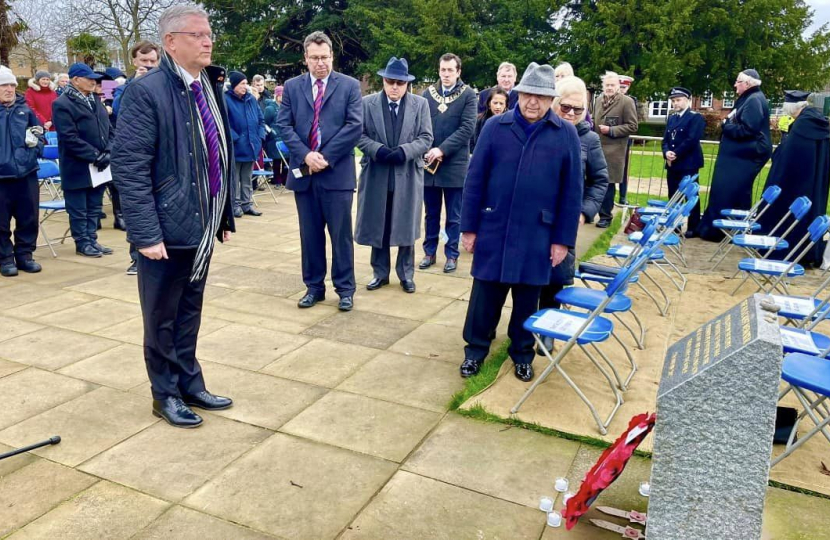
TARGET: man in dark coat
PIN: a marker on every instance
(522, 202)
(173, 168)
(247, 125)
(452, 105)
(505, 79)
(22, 137)
(744, 149)
(681, 147)
(801, 167)
(397, 132)
(83, 128)
(320, 121)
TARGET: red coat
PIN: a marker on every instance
(40, 101)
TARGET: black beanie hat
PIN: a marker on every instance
(236, 77)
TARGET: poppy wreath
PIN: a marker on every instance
(608, 467)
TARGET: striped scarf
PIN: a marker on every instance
(89, 100)
(215, 204)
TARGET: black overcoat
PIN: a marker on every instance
(452, 131)
(83, 134)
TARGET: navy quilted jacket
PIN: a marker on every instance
(158, 161)
(16, 159)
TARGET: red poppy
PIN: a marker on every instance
(609, 466)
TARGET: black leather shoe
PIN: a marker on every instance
(132, 270)
(346, 303)
(408, 286)
(103, 249)
(88, 251)
(604, 223)
(524, 372)
(691, 234)
(426, 262)
(376, 284)
(237, 213)
(450, 266)
(207, 401)
(8, 269)
(29, 266)
(309, 300)
(176, 413)
(119, 223)
(469, 367)
(252, 212)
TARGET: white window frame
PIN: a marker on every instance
(728, 100)
(656, 108)
(706, 100)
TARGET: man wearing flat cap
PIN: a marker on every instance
(681, 146)
(520, 214)
(397, 132)
(744, 149)
(801, 167)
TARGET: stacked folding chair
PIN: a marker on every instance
(49, 176)
(265, 176)
(773, 274)
(738, 221)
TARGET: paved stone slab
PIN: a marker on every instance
(25, 293)
(790, 515)
(132, 330)
(335, 485)
(433, 341)
(117, 286)
(62, 273)
(374, 427)
(32, 391)
(93, 316)
(251, 258)
(512, 464)
(261, 281)
(268, 306)
(322, 362)
(53, 348)
(7, 367)
(583, 530)
(447, 285)
(455, 314)
(249, 319)
(9, 465)
(34, 489)
(59, 302)
(259, 399)
(392, 300)
(88, 425)
(409, 380)
(181, 523)
(247, 347)
(411, 507)
(170, 463)
(105, 511)
(122, 368)
(363, 328)
(13, 327)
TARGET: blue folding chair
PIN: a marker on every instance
(582, 330)
(808, 378)
(50, 208)
(52, 137)
(659, 203)
(803, 310)
(753, 244)
(770, 274)
(262, 175)
(736, 222)
(49, 176)
(50, 152)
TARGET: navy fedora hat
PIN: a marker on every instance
(397, 69)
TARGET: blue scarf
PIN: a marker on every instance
(524, 124)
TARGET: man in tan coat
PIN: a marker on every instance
(615, 119)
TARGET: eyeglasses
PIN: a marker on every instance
(568, 108)
(319, 59)
(392, 82)
(198, 36)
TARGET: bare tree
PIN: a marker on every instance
(40, 40)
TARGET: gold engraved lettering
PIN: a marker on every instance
(707, 341)
(745, 329)
(672, 363)
(687, 356)
(698, 339)
(718, 331)
(727, 337)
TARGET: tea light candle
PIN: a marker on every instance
(545, 504)
(645, 489)
(554, 519)
(567, 496)
(561, 485)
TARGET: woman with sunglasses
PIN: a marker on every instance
(496, 104)
(571, 106)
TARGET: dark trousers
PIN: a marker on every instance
(381, 258)
(607, 207)
(673, 178)
(432, 220)
(172, 310)
(483, 314)
(547, 297)
(318, 209)
(18, 200)
(115, 198)
(84, 209)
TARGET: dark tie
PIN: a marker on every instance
(314, 136)
(394, 111)
(211, 139)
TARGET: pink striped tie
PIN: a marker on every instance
(314, 136)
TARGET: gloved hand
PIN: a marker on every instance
(382, 155)
(102, 161)
(397, 157)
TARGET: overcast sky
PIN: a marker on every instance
(821, 15)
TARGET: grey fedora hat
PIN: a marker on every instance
(538, 80)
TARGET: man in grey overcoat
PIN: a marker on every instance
(397, 132)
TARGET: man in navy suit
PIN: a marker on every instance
(681, 146)
(506, 77)
(321, 120)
